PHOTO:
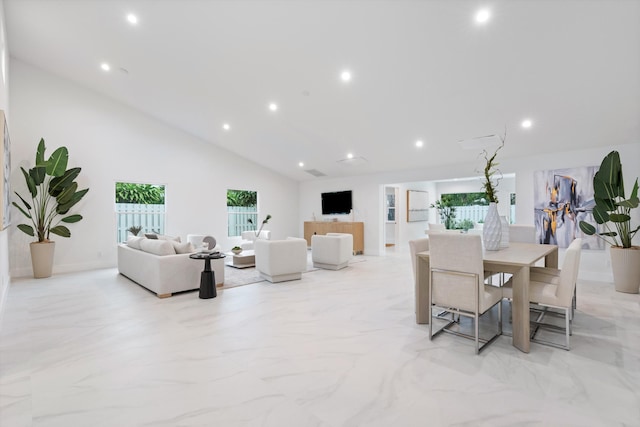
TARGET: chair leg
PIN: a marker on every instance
(500, 317)
(430, 322)
(567, 325)
(477, 328)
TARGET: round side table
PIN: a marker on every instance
(208, 276)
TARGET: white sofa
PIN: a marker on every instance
(281, 260)
(331, 251)
(249, 238)
(155, 265)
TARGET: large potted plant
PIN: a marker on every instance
(613, 212)
(53, 192)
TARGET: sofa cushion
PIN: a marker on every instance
(182, 248)
(165, 237)
(157, 247)
(134, 242)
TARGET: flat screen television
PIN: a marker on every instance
(338, 202)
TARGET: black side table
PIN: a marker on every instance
(208, 276)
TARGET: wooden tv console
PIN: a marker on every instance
(323, 227)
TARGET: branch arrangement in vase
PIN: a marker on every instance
(266, 220)
(490, 170)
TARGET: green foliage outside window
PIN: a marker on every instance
(143, 194)
(242, 198)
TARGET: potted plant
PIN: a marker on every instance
(236, 250)
(492, 229)
(53, 192)
(613, 211)
(134, 229)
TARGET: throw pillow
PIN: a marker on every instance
(182, 248)
(150, 236)
(157, 247)
(165, 237)
(134, 242)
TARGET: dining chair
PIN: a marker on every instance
(457, 284)
(436, 227)
(553, 291)
(415, 246)
(522, 233)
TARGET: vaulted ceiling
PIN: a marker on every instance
(421, 70)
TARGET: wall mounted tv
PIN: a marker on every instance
(338, 202)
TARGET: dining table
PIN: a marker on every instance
(516, 259)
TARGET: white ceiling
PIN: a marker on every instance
(421, 70)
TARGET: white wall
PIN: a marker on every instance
(4, 105)
(112, 142)
(370, 189)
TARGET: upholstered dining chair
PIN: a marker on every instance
(436, 227)
(457, 283)
(522, 233)
(554, 291)
(415, 246)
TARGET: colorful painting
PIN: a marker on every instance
(563, 198)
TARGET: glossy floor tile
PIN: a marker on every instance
(337, 348)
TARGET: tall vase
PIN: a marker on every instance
(42, 258)
(504, 226)
(492, 229)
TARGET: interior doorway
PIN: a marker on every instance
(391, 216)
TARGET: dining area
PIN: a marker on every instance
(458, 280)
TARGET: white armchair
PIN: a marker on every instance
(331, 251)
(281, 260)
(249, 237)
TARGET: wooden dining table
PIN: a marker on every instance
(516, 260)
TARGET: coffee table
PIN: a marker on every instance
(244, 259)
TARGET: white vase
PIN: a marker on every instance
(492, 229)
(504, 239)
(625, 264)
(42, 258)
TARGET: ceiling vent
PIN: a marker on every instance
(315, 172)
(354, 161)
(480, 142)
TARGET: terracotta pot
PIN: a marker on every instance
(625, 263)
(42, 258)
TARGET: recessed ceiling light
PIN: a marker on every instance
(105, 66)
(349, 156)
(419, 143)
(526, 123)
(133, 19)
(345, 76)
(482, 16)
(301, 164)
(226, 126)
(273, 106)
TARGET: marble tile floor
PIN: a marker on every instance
(337, 348)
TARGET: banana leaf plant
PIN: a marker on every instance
(612, 209)
(53, 192)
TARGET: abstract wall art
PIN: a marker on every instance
(563, 198)
(5, 175)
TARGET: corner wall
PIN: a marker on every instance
(113, 142)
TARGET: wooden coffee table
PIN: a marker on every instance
(242, 260)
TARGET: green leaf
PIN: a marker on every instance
(30, 184)
(60, 183)
(22, 210)
(63, 209)
(27, 205)
(72, 218)
(67, 194)
(616, 217)
(26, 228)
(609, 233)
(57, 163)
(38, 174)
(611, 174)
(40, 154)
(587, 228)
(61, 230)
(600, 214)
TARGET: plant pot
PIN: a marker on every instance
(42, 258)
(625, 263)
(236, 251)
(492, 230)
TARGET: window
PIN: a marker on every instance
(468, 208)
(242, 206)
(139, 209)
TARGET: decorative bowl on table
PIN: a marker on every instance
(236, 250)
